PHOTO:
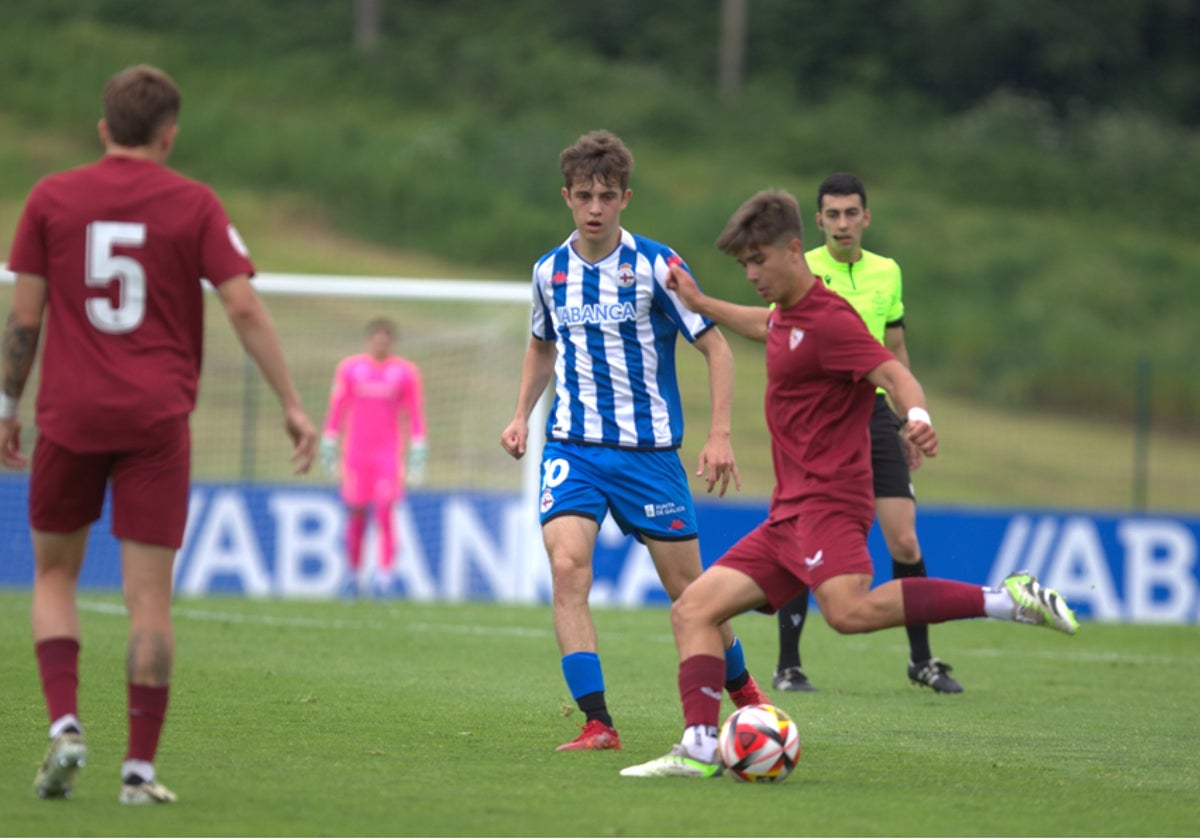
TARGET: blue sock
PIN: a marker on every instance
(583, 674)
(735, 660)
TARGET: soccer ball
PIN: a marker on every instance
(759, 744)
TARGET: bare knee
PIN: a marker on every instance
(842, 622)
(904, 548)
(688, 613)
(848, 618)
(571, 580)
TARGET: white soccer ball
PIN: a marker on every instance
(759, 744)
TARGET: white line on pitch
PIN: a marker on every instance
(534, 632)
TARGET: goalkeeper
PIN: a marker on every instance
(374, 394)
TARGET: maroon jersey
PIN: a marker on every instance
(819, 405)
(122, 245)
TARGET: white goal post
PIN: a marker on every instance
(512, 295)
(468, 337)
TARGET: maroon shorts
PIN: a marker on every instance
(149, 486)
(786, 557)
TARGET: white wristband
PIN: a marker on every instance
(920, 415)
(8, 406)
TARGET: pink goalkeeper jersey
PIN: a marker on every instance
(367, 402)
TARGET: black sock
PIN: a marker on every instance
(594, 708)
(918, 634)
(791, 624)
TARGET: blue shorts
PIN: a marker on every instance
(646, 491)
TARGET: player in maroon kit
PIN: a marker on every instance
(110, 255)
(823, 367)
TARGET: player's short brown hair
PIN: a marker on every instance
(597, 154)
(139, 102)
(766, 218)
(383, 325)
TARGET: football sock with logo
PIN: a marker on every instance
(736, 674)
(585, 679)
(791, 625)
(918, 634)
(58, 667)
(700, 681)
(147, 709)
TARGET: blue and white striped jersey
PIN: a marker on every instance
(614, 324)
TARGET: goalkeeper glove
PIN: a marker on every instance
(329, 454)
(416, 463)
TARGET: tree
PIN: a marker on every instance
(732, 49)
(368, 15)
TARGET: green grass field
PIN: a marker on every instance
(370, 719)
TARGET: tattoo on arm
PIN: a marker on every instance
(19, 349)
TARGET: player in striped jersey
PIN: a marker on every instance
(604, 330)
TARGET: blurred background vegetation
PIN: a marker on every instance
(1033, 167)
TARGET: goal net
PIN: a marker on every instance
(468, 337)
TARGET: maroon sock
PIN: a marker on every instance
(934, 600)
(58, 666)
(147, 708)
(701, 679)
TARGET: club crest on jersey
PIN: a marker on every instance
(547, 500)
(559, 278)
(625, 275)
(794, 339)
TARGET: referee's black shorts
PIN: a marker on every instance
(892, 478)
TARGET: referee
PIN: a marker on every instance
(871, 283)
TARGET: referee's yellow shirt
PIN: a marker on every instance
(872, 286)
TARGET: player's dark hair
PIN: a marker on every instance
(842, 183)
(139, 102)
(766, 218)
(597, 154)
(386, 325)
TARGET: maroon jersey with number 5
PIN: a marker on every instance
(122, 244)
